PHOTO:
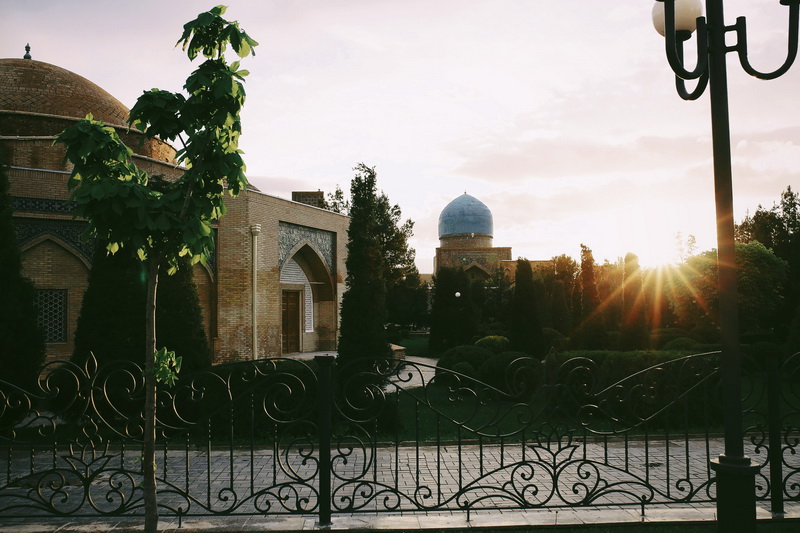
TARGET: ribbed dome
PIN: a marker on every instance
(466, 215)
(36, 87)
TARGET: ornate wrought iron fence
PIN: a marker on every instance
(283, 436)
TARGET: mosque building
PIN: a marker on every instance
(466, 230)
(275, 281)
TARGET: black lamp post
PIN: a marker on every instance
(676, 20)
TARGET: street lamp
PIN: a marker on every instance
(673, 19)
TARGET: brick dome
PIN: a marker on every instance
(39, 100)
(36, 87)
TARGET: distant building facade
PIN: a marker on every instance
(277, 275)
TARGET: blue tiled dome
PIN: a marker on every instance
(465, 215)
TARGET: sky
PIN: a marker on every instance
(560, 115)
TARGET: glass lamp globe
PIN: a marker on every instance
(686, 13)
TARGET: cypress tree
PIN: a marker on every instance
(633, 330)
(22, 346)
(179, 318)
(591, 332)
(526, 328)
(363, 313)
(111, 323)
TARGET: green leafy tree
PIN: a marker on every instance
(778, 229)
(363, 313)
(337, 202)
(526, 327)
(21, 339)
(761, 275)
(164, 224)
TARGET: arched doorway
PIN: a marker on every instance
(308, 303)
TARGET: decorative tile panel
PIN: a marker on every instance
(290, 235)
(69, 231)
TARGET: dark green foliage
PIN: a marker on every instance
(559, 311)
(453, 315)
(406, 298)
(554, 340)
(471, 355)
(761, 277)
(111, 323)
(576, 296)
(112, 320)
(793, 337)
(590, 332)
(778, 229)
(407, 301)
(494, 302)
(495, 343)
(363, 312)
(633, 328)
(21, 339)
(179, 319)
(497, 371)
(526, 329)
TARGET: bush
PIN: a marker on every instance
(494, 328)
(681, 344)
(705, 334)
(659, 337)
(762, 349)
(495, 343)
(462, 367)
(554, 339)
(474, 355)
(495, 370)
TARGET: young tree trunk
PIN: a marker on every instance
(149, 437)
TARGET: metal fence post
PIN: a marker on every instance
(774, 421)
(324, 400)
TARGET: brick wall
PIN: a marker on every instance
(234, 330)
(51, 265)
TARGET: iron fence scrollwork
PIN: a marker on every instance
(318, 437)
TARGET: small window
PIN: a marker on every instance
(52, 305)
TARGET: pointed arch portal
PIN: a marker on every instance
(308, 311)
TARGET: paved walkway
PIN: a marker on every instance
(406, 523)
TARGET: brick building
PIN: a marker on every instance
(277, 275)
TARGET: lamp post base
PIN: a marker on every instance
(736, 493)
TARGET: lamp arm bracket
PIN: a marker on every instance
(674, 47)
(702, 83)
(741, 46)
